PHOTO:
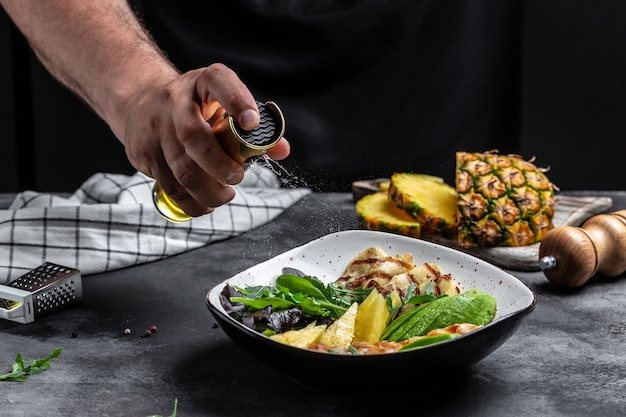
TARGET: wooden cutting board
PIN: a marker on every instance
(569, 211)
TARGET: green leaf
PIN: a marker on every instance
(17, 366)
(21, 368)
(419, 299)
(19, 362)
(260, 303)
(312, 307)
(318, 284)
(296, 284)
(308, 293)
(344, 296)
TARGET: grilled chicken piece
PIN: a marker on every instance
(425, 275)
(374, 268)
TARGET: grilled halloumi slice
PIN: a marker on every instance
(374, 268)
(428, 274)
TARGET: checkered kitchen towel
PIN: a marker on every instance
(110, 222)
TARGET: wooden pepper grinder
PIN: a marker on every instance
(569, 256)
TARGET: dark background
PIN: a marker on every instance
(573, 91)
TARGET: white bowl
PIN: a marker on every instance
(327, 257)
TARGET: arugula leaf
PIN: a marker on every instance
(345, 297)
(22, 369)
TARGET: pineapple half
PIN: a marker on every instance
(503, 200)
(429, 200)
(377, 212)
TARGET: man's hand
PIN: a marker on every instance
(168, 136)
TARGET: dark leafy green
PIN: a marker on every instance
(307, 293)
(295, 301)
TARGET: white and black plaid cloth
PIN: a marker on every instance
(110, 222)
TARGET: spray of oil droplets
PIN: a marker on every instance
(286, 178)
(333, 220)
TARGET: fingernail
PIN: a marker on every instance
(249, 119)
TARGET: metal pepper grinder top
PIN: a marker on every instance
(244, 146)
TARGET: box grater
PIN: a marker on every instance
(45, 289)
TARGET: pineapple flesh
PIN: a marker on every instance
(503, 200)
(341, 332)
(377, 212)
(429, 200)
(371, 318)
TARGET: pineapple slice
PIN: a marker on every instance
(395, 298)
(377, 212)
(503, 200)
(371, 318)
(341, 332)
(302, 338)
(429, 200)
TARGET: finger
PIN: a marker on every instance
(160, 171)
(196, 194)
(190, 186)
(219, 83)
(167, 180)
(279, 151)
(184, 200)
(199, 143)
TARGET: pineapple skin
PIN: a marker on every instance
(503, 200)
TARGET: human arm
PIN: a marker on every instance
(99, 50)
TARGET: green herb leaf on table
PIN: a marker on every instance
(22, 369)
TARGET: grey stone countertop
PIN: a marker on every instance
(568, 357)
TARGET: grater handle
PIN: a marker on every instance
(23, 312)
(12, 313)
